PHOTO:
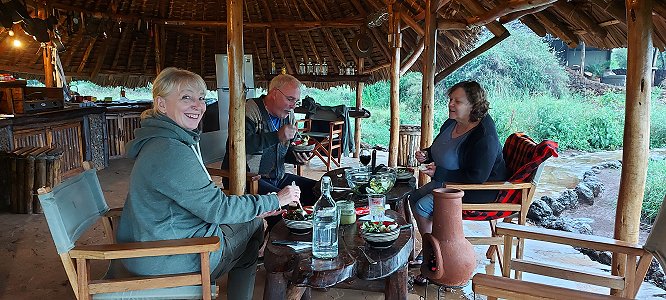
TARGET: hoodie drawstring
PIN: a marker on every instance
(197, 152)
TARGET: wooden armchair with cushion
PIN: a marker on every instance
(524, 161)
(74, 206)
(625, 285)
(328, 145)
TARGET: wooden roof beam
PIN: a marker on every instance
(476, 9)
(291, 51)
(613, 8)
(100, 58)
(558, 28)
(382, 45)
(519, 14)
(534, 24)
(86, 55)
(448, 24)
(409, 21)
(284, 60)
(583, 20)
(296, 25)
(508, 7)
(416, 54)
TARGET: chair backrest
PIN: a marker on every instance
(524, 158)
(655, 243)
(72, 207)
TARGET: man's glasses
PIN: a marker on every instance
(289, 98)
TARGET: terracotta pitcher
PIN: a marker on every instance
(449, 258)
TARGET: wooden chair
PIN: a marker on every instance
(74, 206)
(328, 145)
(524, 161)
(252, 186)
(625, 285)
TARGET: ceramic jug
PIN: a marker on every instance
(449, 258)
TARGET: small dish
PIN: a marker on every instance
(304, 148)
(362, 211)
(298, 227)
(404, 173)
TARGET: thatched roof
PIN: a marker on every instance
(115, 44)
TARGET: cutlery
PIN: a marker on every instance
(290, 243)
(370, 260)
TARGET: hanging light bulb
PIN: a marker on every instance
(17, 43)
(11, 32)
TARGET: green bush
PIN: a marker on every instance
(655, 189)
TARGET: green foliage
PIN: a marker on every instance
(521, 63)
(618, 58)
(655, 189)
(598, 69)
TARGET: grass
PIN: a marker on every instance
(655, 189)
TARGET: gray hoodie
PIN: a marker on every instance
(171, 197)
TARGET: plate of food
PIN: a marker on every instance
(380, 234)
(298, 221)
(362, 211)
(404, 173)
(302, 144)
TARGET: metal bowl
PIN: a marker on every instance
(298, 227)
(380, 239)
(363, 182)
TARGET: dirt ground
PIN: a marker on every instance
(602, 213)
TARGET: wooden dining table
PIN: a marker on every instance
(291, 274)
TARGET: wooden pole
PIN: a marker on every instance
(47, 56)
(236, 97)
(158, 49)
(636, 127)
(429, 66)
(395, 43)
(582, 58)
(359, 105)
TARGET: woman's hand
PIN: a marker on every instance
(421, 156)
(429, 169)
(289, 194)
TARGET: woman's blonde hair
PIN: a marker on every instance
(168, 81)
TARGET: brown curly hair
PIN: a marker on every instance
(476, 96)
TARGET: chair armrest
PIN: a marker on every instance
(492, 206)
(114, 212)
(227, 174)
(145, 249)
(490, 185)
(569, 238)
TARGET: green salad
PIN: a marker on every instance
(379, 227)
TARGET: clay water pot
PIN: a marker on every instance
(448, 258)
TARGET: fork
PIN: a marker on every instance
(370, 260)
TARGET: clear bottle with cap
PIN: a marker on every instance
(325, 223)
(301, 67)
(273, 70)
(317, 68)
(310, 67)
(324, 68)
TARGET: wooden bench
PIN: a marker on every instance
(502, 287)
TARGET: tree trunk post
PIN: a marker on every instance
(359, 105)
(429, 66)
(636, 128)
(395, 42)
(237, 162)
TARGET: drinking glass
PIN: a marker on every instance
(376, 204)
(364, 157)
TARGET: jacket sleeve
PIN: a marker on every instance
(184, 180)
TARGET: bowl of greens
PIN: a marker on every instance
(380, 234)
(364, 182)
(298, 221)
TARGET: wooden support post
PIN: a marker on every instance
(636, 127)
(395, 41)
(582, 58)
(48, 64)
(236, 97)
(158, 49)
(429, 67)
(359, 105)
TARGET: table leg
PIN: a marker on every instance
(276, 286)
(396, 285)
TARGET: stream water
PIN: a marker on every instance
(565, 171)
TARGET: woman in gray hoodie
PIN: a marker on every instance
(172, 196)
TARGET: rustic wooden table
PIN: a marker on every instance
(290, 274)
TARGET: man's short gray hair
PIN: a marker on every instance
(283, 80)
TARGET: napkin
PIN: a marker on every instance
(300, 247)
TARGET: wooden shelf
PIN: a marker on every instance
(327, 78)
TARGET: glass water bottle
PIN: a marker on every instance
(325, 223)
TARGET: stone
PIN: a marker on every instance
(539, 211)
(556, 206)
(596, 186)
(568, 198)
(585, 194)
(579, 225)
